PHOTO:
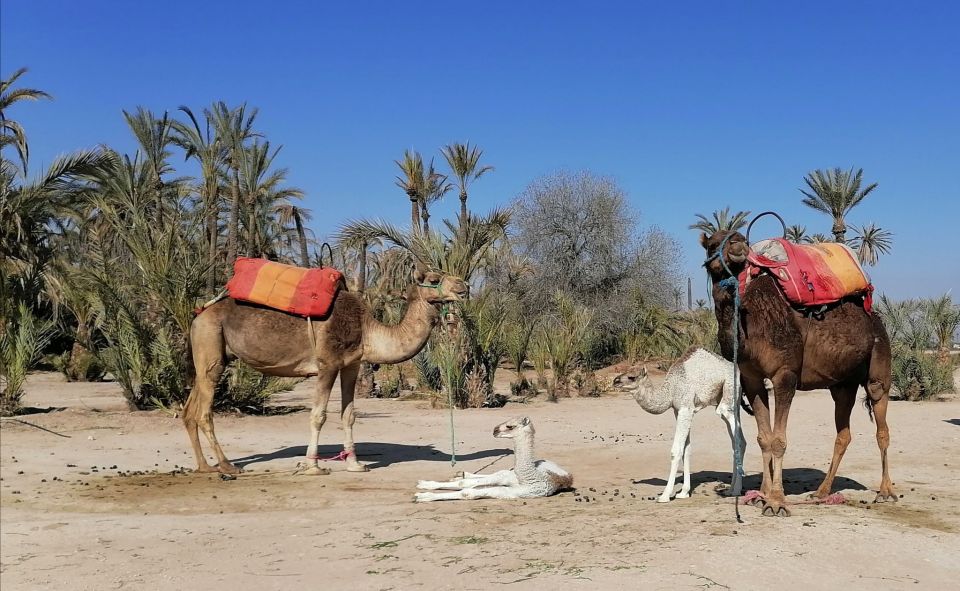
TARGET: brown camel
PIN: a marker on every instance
(841, 348)
(281, 344)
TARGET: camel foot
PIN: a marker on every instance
(776, 507)
(683, 494)
(228, 468)
(428, 485)
(314, 471)
(885, 497)
(663, 498)
(423, 497)
(357, 468)
(206, 469)
(819, 494)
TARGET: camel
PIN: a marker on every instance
(281, 344)
(529, 478)
(697, 380)
(839, 347)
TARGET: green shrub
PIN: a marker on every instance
(919, 375)
(21, 343)
(244, 389)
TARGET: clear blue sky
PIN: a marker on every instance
(691, 106)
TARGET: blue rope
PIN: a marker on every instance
(733, 282)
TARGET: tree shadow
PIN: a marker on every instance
(952, 421)
(796, 481)
(374, 455)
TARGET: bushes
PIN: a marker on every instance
(915, 328)
(244, 389)
(23, 339)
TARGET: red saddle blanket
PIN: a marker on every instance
(810, 274)
(304, 292)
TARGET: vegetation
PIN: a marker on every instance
(105, 255)
(921, 334)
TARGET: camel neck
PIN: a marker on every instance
(398, 343)
(654, 399)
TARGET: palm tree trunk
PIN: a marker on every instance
(463, 206)
(362, 274)
(233, 235)
(839, 231)
(304, 256)
(425, 214)
(212, 214)
(414, 213)
(252, 240)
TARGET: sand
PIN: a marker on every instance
(100, 502)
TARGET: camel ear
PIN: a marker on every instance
(525, 421)
(643, 372)
(703, 239)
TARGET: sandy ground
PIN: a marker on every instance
(102, 503)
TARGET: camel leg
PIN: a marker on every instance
(348, 381)
(844, 397)
(785, 386)
(318, 416)
(493, 492)
(760, 402)
(685, 489)
(880, 398)
(501, 478)
(684, 420)
(207, 348)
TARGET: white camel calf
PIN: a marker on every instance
(529, 478)
(698, 380)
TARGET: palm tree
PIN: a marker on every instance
(835, 192)
(436, 186)
(461, 251)
(464, 162)
(11, 132)
(289, 212)
(263, 196)
(359, 236)
(210, 153)
(943, 316)
(234, 127)
(797, 234)
(722, 220)
(413, 183)
(818, 238)
(871, 241)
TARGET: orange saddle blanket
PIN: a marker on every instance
(304, 292)
(810, 274)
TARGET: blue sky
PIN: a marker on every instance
(689, 106)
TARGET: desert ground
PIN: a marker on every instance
(99, 497)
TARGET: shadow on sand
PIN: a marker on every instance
(375, 455)
(952, 421)
(796, 481)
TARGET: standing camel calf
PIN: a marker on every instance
(698, 380)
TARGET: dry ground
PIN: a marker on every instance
(105, 506)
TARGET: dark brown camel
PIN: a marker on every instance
(841, 349)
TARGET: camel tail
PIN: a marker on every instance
(868, 404)
(191, 369)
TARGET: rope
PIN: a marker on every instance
(733, 282)
(453, 439)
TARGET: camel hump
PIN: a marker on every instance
(296, 290)
(812, 274)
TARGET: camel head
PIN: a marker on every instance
(518, 427)
(732, 247)
(438, 288)
(632, 380)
